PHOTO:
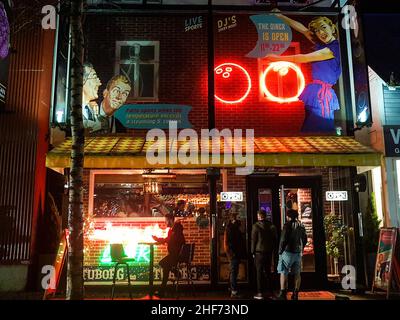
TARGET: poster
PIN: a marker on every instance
(319, 97)
(98, 110)
(292, 61)
(149, 116)
(384, 259)
(265, 202)
(306, 220)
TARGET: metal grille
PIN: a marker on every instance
(18, 143)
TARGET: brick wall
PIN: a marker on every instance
(183, 57)
(266, 117)
(183, 68)
(193, 234)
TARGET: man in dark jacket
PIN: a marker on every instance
(174, 240)
(234, 248)
(291, 246)
(264, 239)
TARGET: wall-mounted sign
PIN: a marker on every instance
(226, 23)
(149, 116)
(336, 196)
(227, 76)
(281, 69)
(193, 23)
(231, 196)
(274, 36)
(392, 140)
(105, 274)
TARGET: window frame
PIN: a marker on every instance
(135, 84)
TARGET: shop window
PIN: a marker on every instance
(134, 194)
(139, 61)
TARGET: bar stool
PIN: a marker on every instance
(184, 261)
(119, 257)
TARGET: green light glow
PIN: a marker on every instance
(141, 254)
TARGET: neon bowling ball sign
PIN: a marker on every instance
(281, 70)
(231, 75)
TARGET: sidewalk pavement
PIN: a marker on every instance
(122, 294)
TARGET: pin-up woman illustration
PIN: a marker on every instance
(318, 96)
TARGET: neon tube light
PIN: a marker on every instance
(130, 237)
(282, 67)
(226, 73)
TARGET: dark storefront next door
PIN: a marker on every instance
(276, 195)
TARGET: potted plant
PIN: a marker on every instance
(371, 225)
(335, 232)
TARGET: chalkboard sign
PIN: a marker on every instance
(58, 264)
(387, 269)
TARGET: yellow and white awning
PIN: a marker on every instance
(130, 153)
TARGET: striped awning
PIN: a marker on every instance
(130, 152)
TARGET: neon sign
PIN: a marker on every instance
(228, 76)
(282, 69)
(130, 237)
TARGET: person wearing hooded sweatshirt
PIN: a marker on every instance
(264, 239)
(174, 240)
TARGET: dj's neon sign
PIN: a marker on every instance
(228, 70)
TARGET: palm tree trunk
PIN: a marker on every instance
(75, 209)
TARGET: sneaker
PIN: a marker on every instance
(259, 296)
(235, 295)
(295, 295)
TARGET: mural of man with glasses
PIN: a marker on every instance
(90, 108)
(114, 97)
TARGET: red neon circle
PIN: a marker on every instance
(282, 68)
(218, 71)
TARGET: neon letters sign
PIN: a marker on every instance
(228, 73)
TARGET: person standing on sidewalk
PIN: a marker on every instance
(291, 246)
(264, 239)
(234, 248)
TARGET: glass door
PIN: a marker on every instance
(278, 194)
(300, 199)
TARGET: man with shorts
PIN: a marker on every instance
(291, 246)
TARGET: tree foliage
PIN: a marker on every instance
(335, 232)
(371, 226)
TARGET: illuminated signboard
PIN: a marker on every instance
(231, 196)
(130, 237)
(230, 74)
(282, 69)
(336, 196)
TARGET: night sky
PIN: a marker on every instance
(382, 43)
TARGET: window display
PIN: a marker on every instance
(119, 196)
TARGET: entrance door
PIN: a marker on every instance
(278, 194)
